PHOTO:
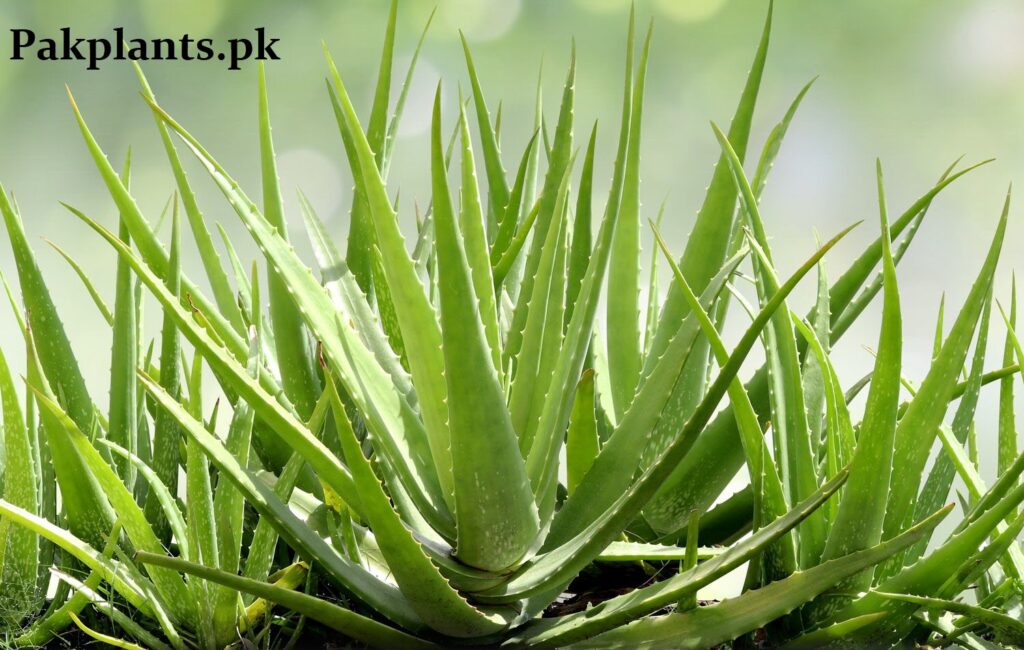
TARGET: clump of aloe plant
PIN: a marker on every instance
(427, 443)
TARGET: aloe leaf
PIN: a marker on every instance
(638, 551)
(52, 345)
(564, 560)
(1012, 561)
(497, 183)
(793, 452)
(337, 618)
(581, 441)
(518, 200)
(344, 292)
(403, 94)
(260, 555)
(653, 294)
(558, 167)
(420, 330)
(294, 357)
(161, 494)
(769, 494)
(621, 610)
(1007, 449)
(361, 239)
(471, 225)
(21, 547)
(940, 478)
(112, 572)
(365, 586)
(421, 583)
(123, 621)
(861, 513)
(542, 460)
(774, 142)
(267, 408)
(172, 590)
(623, 317)
(222, 293)
(397, 428)
(166, 434)
(88, 515)
(229, 505)
(495, 511)
(122, 429)
(615, 467)
(97, 299)
(707, 245)
(717, 455)
(916, 430)
(931, 572)
(706, 627)
(541, 337)
(582, 236)
(1006, 629)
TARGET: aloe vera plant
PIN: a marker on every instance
(444, 444)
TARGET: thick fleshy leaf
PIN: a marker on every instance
(418, 320)
(623, 316)
(718, 454)
(622, 609)
(294, 352)
(706, 627)
(858, 523)
(495, 513)
(917, 428)
(433, 598)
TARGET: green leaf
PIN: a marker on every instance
(769, 494)
(706, 627)
(550, 207)
(122, 418)
(171, 588)
(112, 572)
(615, 467)
(1006, 629)
(360, 582)
(55, 354)
(497, 183)
(623, 317)
(916, 431)
(930, 573)
(101, 305)
(581, 441)
(718, 454)
(1007, 449)
(437, 603)
(420, 330)
(541, 341)
(471, 225)
(582, 236)
(495, 512)
(294, 354)
(861, 513)
(333, 616)
(641, 602)
(564, 560)
(21, 547)
(166, 434)
(793, 452)
(396, 427)
(219, 284)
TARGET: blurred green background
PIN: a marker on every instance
(916, 83)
